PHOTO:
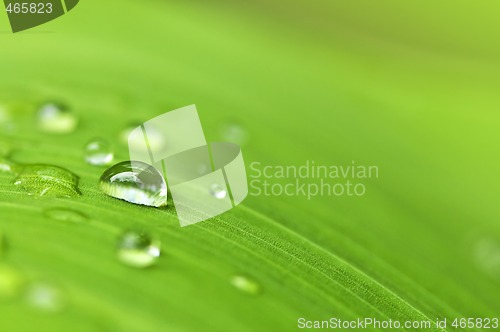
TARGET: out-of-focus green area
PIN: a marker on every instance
(411, 88)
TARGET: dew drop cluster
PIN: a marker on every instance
(131, 181)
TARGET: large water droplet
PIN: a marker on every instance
(135, 182)
(218, 192)
(138, 249)
(47, 181)
(65, 215)
(246, 284)
(98, 152)
(56, 118)
(235, 133)
(11, 282)
(45, 297)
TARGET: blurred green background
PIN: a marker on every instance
(409, 87)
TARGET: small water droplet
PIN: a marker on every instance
(218, 192)
(45, 297)
(4, 114)
(56, 118)
(65, 215)
(125, 133)
(235, 133)
(135, 182)
(155, 137)
(487, 254)
(138, 249)
(47, 181)
(202, 169)
(246, 284)
(8, 166)
(11, 282)
(98, 152)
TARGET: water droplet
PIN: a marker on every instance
(8, 166)
(4, 114)
(155, 137)
(98, 152)
(202, 169)
(218, 192)
(47, 181)
(246, 284)
(11, 282)
(65, 215)
(45, 297)
(56, 118)
(235, 133)
(127, 131)
(138, 249)
(487, 254)
(135, 182)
